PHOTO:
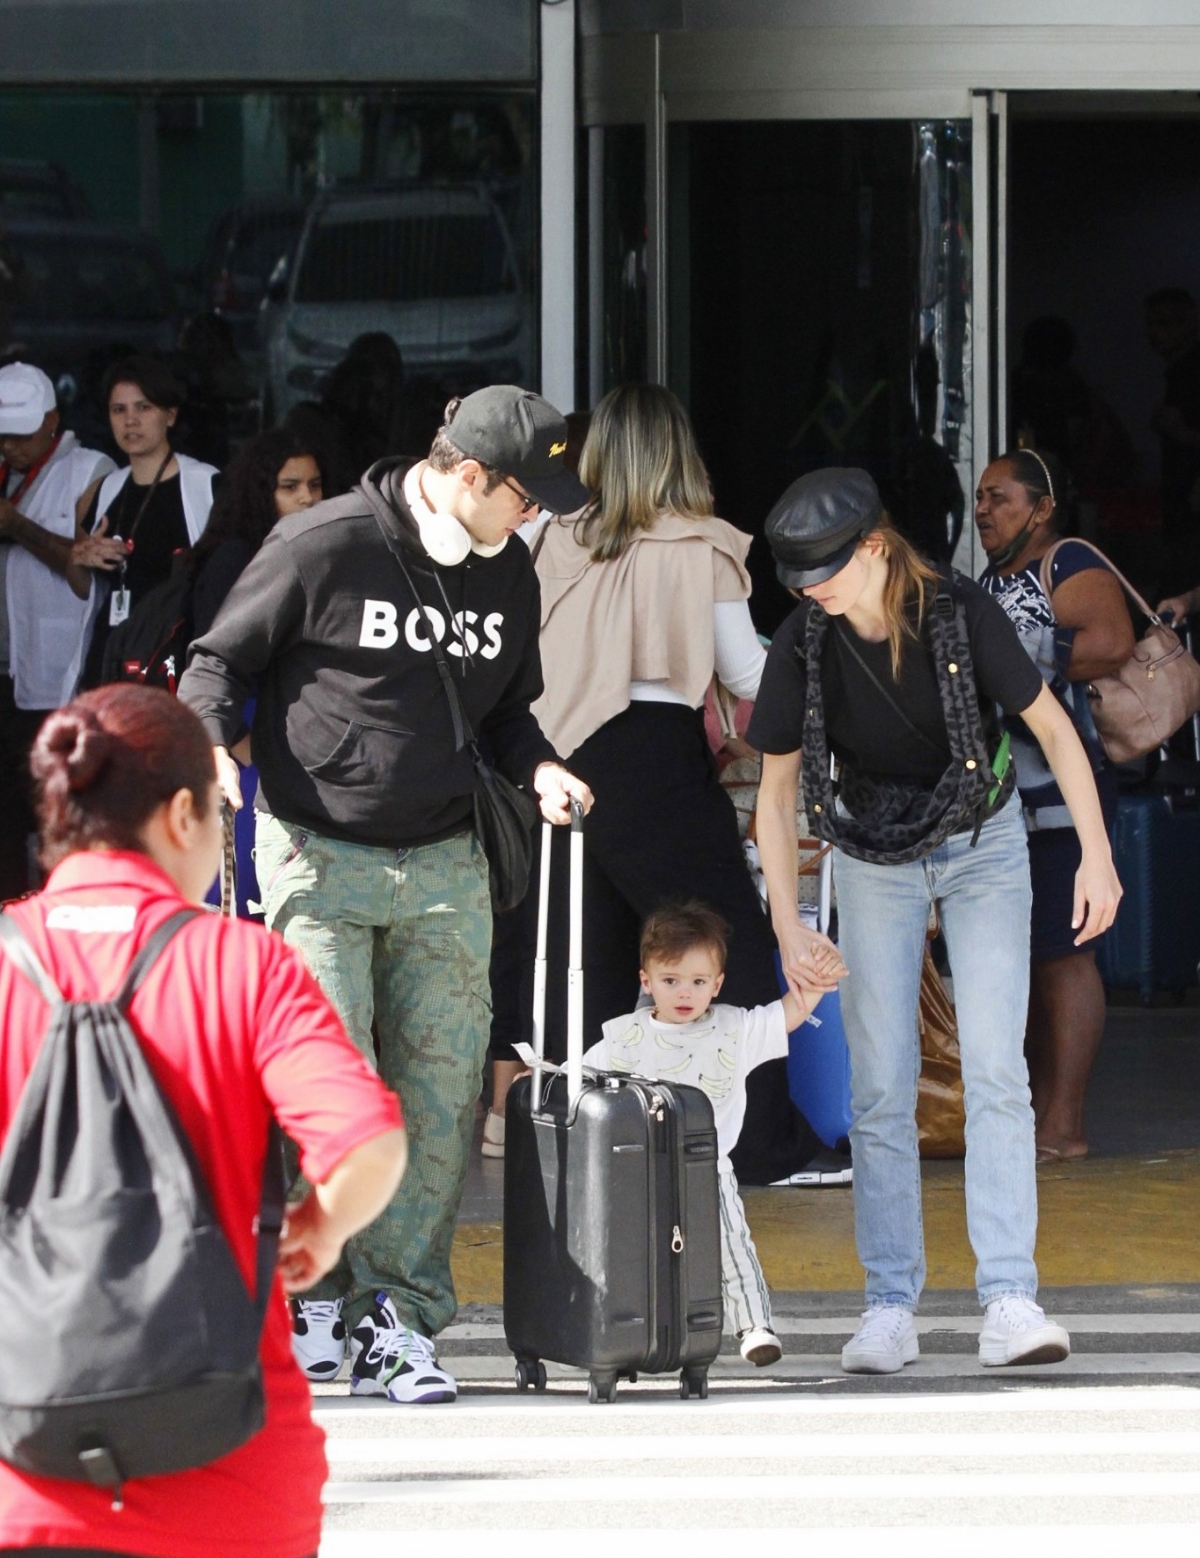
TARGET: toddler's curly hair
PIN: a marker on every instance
(677, 928)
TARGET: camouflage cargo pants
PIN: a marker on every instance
(402, 938)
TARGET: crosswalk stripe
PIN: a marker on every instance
(965, 1325)
(533, 1450)
(338, 1413)
(810, 1366)
(996, 1539)
(875, 1487)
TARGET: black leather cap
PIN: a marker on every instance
(818, 522)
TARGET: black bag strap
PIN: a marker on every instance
(14, 942)
(148, 955)
(844, 638)
(464, 736)
(270, 1218)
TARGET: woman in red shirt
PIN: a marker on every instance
(236, 1031)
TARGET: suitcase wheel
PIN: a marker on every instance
(531, 1372)
(693, 1383)
(602, 1387)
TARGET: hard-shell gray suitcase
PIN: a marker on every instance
(612, 1252)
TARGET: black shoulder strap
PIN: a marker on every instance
(148, 954)
(463, 734)
(844, 638)
(14, 942)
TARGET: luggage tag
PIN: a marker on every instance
(118, 607)
(529, 1058)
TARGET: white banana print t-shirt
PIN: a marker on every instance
(715, 1053)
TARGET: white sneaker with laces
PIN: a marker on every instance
(1016, 1331)
(318, 1336)
(388, 1359)
(884, 1342)
(760, 1346)
(492, 1145)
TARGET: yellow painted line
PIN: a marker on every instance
(1101, 1221)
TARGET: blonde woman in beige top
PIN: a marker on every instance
(643, 597)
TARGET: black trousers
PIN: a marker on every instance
(662, 830)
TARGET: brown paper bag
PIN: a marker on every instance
(941, 1116)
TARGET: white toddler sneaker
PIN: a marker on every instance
(760, 1346)
(1016, 1331)
(884, 1342)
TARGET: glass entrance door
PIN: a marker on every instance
(820, 294)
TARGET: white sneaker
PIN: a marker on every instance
(493, 1136)
(318, 1336)
(884, 1342)
(388, 1359)
(1016, 1331)
(760, 1346)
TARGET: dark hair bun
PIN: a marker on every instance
(72, 747)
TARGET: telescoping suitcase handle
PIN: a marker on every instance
(574, 963)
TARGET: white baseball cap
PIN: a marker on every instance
(26, 395)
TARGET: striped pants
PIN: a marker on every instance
(743, 1286)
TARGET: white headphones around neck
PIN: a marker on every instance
(447, 540)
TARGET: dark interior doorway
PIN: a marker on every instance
(1103, 213)
(819, 314)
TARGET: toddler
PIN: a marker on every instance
(683, 1037)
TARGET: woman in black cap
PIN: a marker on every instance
(895, 669)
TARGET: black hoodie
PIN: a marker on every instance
(352, 731)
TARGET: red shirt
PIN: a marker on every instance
(235, 1029)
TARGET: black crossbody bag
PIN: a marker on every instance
(504, 814)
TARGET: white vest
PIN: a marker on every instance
(195, 493)
(46, 619)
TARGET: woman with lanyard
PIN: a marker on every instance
(895, 668)
(158, 505)
(1080, 631)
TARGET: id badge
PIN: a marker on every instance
(118, 607)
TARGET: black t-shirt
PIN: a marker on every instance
(161, 532)
(864, 732)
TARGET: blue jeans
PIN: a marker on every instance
(983, 897)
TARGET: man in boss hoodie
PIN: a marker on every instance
(367, 858)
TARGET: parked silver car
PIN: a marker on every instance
(432, 266)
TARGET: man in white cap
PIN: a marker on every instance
(43, 472)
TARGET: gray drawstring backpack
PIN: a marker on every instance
(129, 1344)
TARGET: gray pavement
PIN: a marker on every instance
(1104, 1449)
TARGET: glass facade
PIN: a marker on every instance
(819, 313)
(287, 223)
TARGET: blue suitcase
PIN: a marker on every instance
(1154, 943)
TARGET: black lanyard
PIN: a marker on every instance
(143, 506)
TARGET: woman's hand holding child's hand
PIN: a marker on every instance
(822, 967)
(828, 962)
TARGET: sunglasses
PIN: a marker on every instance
(528, 504)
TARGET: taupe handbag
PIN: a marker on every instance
(1155, 691)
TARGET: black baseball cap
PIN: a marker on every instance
(817, 524)
(517, 432)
